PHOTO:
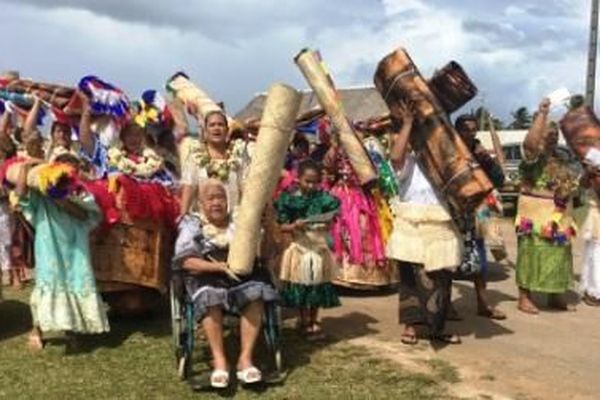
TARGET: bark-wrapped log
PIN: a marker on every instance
(444, 157)
(452, 87)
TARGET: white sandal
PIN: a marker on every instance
(249, 375)
(219, 379)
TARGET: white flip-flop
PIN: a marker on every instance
(219, 379)
(249, 375)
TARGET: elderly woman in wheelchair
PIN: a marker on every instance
(201, 254)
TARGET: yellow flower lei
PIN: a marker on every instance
(150, 165)
(218, 168)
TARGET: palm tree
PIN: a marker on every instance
(483, 117)
(521, 118)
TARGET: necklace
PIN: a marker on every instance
(219, 168)
(145, 166)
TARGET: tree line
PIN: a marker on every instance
(521, 118)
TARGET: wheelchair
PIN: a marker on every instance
(184, 332)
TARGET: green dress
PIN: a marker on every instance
(307, 265)
(64, 297)
(544, 226)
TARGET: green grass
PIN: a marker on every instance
(135, 361)
(443, 370)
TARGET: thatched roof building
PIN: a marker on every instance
(360, 104)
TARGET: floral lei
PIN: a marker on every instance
(219, 237)
(150, 163)
(219, 168)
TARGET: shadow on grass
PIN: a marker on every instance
(154, 324)
(297, 351)
(16, 319)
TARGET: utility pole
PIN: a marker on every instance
(590, 83)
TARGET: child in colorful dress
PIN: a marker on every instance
(307, 265)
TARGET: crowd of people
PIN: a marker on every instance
(146, 162)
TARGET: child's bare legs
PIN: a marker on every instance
(315, 326)
(304, 321)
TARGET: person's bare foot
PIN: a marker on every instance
(526, 305)
(35, 341)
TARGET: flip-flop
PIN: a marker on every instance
(447, 338)
(219, 379)
(590, 301)
(249, 375)
(409, 339)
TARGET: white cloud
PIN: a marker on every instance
(237, 48)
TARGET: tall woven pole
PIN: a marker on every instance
(277, 127)
(590, 83)
(312, 68)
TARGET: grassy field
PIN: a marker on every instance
(135, 361)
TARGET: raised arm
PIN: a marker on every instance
(5, 124)
(403, 112)
(533, 144)
(31, 120)
(86, 136)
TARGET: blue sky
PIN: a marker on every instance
(515, 51)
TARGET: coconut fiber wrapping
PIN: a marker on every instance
(311, 66)
(445, 158)
(581, 130)
(276, 130)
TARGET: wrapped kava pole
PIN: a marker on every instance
(185, 90)
(452, 87)
(311, 65)
(445, 158)
(581, 129)
(275, 134)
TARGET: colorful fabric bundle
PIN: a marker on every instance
(147, 201)
(105, 99)
(55, 180)
(20, 90)
(105, 200)
(152, 110)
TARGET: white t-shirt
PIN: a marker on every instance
(414, 186)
